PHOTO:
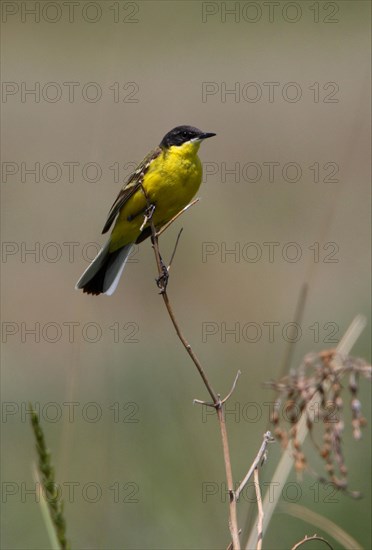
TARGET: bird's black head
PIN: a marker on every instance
(181, 134)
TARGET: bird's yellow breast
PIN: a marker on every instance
(171, 181)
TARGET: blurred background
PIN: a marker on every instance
(88, 89)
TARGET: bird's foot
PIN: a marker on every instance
(162, 280)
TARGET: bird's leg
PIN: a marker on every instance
(148, 215)
(162, 280)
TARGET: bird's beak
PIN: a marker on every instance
(206, 135)
(202, 136)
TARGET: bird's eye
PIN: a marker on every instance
(185, 134)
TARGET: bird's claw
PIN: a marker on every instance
(162, 280)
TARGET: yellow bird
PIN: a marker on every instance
(169, 176)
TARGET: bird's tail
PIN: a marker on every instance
(103, 274)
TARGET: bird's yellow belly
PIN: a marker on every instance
(170, 184)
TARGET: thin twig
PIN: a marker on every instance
(232, 388)
(155, 245)
(267, 438)
(205, 403)
(162, 229)
(162, 283)
(220, 401)
(260, 509)
(175, 248)
(185, 343)
(307, 539)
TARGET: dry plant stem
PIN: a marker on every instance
(220, 401)
(260, 510)
(286, 462)
(230, 545)
(232, 388)
(307, 539)
(233, 521)
(267, 438)
(185, 343)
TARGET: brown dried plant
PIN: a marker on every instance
(320, 374)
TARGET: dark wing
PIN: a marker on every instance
(130, 187)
